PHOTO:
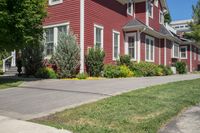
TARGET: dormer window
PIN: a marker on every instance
(55, 2)
(130, 7)
(156, 3)
(150, 9)
(161, 18)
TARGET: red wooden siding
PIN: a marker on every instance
(109, 14)
(68, 11)
(140, 11)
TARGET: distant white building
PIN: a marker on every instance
(181, 26)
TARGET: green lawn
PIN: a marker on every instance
(9, 83)
(141, 111)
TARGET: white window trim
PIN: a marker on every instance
(185, 47)
(161, 20)
(126, 45)
(51, 3)
(173, 54)
(102, 34)
(55, 31)
(198, 54)
(151, 39)
(130, 13)
(116, 32)
(151, 16)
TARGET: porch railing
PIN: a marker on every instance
(13, 61)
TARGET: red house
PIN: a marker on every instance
(131, 27)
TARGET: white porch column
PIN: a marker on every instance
(13, 63)
(82, 26)
(138, 46)
(4, 66)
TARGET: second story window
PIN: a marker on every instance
(161, 18)
(150, 9)
(55, 2)
(98, 36)
(130, 7)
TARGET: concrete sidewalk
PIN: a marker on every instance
(187, 122)
(8, 125)
(40, 98)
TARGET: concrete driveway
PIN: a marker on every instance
(40, 98)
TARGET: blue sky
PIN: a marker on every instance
(181, 9)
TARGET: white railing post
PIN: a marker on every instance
(13, 63)
(4, 66)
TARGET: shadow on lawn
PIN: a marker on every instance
(14, 79)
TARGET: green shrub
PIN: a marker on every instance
(125, 72)
(166, 70)
(94, 62)
(181, 67)
(46, 73)
(159, 71)
(144, 69)
(1, 71)
(124, 60)
(82, 76)
(32, 57)
(67, 56)
(113, 71)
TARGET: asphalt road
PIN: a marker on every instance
(41, 98)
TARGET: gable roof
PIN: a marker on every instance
(134, 23)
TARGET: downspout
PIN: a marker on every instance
(139, 43)
(82, 26)
(165, 51)
(191, 65)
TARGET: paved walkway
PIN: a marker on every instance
(187, 122)
(40, 98)
(8, 125)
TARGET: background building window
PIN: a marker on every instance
(149, 49)
(98, 36)
(116, 45)
(183, 52)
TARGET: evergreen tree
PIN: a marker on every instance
(168, 18)
(67, 56)
(195, 25)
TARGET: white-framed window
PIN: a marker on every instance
(130, 7)
(161, 17)
(149, 49)
(55, 2)
(150, 9)
(195, 55)
(156, 3)
(51, 36)
(199, 54)
(116, 45)
(98, 36)
(175, 51)
(183, 52)
(130, 45)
